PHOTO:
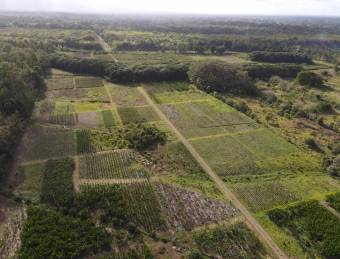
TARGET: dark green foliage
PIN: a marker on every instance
(220, 77)
(235, 241)
(49, 234)
(57, 184)
(266, 71)
(316, 228)
(310, 142)
(280, 57)
(119, 72)
(334, 200)
(122, 206)
(142, 136)
(311, 79)
(334, 168)
(21, 83)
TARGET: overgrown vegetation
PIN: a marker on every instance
(55, 235)
(334, 200)
(235, 241)
(316, 229)
(220, 77)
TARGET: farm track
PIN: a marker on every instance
(105, 47)
(330, 209)
(220, 184)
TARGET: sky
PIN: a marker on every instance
(234, 7)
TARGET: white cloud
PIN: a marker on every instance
(283, 7)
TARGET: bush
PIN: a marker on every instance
(311, 79)
(50, 234)
(310, 142)
(220, 77)
(141, 136)
(334, 168)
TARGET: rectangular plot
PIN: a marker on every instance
(137, 114)
(98, 94)
(89, 119)
(60, 82)
(47, 142)
(176, 96)
(119, 164)
(88, 81)
(263, 195)
(265, 143)
(206, 118)
(225, 155)
(126, 96)
(64, 108)
(109, 119)
(30, 183)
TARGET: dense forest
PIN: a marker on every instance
(22, 71)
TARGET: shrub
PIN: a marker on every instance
(141, 136)
(334, 168)
(220, 77)
(311, 79)
(266, 71)
(310, 142)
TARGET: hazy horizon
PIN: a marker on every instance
(218, 7)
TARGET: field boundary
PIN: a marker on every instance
(251, 221)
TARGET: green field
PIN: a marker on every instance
(126, 96)
(137, 114)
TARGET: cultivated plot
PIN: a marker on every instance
(187, 210)
(226, 156)
(97, 94)
(88, 81)
(40, 142)
(137, 114)
(126, 96)
(118, 164)
(206, 118)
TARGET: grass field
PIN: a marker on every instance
(226, 156)
(110, 118)
(205, 118)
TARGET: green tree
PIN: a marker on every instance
(311, 79)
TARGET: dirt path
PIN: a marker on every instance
(228, 194)
(105, 47)
(76, 174)
(330, 209)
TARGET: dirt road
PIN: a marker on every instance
(333, 211)
(106, 47)
(223, 188)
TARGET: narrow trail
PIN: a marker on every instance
(220, 184)
(330, 209)
(76, 174)
(105, 47)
